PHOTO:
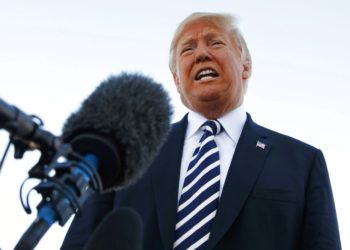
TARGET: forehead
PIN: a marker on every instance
(202, 29)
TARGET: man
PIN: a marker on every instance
(260, 190)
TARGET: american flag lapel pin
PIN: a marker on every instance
(260, 144)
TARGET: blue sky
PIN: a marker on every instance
(54, 54)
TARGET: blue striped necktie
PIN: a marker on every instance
(200, 194)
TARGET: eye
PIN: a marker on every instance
(217, 43)
(185, 50)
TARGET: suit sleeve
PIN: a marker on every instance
(320, 229)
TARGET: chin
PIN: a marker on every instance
(209, 97)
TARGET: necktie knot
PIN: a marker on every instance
(212, 126)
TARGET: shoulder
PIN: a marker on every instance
(284, 142)
(292, 156)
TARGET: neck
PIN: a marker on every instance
(212, 112)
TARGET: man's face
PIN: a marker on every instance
(209, 74)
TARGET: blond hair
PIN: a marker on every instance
(226, 21)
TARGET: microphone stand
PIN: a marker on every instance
(62, 195)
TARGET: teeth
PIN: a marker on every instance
(206, 72)
(206, 77)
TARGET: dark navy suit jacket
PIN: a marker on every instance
(276, 197)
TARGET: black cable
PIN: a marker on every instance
(67, 193)
(4, 155)
(25, 204)
(95, 178)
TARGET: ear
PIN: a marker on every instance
(246, 72)
(176, 81)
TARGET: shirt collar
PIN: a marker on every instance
(232, 122)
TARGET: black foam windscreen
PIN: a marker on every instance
(124, 122)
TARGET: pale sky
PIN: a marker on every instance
(53, 54)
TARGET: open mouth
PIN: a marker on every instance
(207, 73)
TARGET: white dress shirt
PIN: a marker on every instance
(227, 140)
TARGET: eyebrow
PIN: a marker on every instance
(190, 40)
(211, 35)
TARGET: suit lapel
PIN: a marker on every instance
(165, 181)
(245, 167)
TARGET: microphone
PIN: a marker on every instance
(118, 130)
(120, 229)
(24, 126)
(130, 111)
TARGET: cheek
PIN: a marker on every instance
(184, 68)
(232, 62)
(179, 82)
(235, 75)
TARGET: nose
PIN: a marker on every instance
(202, 54)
